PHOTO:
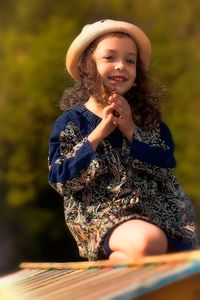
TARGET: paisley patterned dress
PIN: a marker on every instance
(117, 182)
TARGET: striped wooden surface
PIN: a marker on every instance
(159, 277)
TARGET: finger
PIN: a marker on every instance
(119, 100)
(108, 116)
(112, 120)
(115, 113)
(115, 121)
(113, 109)
(107, 110)
(117, 97)
(117, 110)
(118, 103)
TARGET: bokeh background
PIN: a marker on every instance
(35, 35)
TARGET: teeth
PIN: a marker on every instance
(116, 78)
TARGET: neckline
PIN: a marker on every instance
(93, 118)
(94, 107)
(92, 114)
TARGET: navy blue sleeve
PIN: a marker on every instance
(72, 160)
(67, 165)
(162, 157)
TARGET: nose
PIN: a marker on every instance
(119, 65)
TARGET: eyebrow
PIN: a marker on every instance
(115, 51)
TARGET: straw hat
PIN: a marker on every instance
(92, 31)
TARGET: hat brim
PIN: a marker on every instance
(92, 31)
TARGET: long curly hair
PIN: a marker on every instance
(143, 98)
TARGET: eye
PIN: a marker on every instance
(130, 61)
(109, 57)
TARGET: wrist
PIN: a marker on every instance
(94, 139)
(130, 134)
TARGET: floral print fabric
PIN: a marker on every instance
(118, 182)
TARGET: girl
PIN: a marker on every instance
(110, 155)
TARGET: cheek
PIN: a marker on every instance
(133, 74)
(102, 69)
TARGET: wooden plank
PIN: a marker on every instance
(165, 258)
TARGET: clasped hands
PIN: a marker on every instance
(119, 113)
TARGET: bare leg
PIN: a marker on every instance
(135, 239)
(118, 256)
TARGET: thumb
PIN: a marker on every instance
(107, 110)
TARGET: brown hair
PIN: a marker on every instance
(144, 102)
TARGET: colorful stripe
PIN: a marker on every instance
(99, 280)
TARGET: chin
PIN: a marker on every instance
(120, 92)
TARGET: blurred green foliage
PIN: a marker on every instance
(35, 36)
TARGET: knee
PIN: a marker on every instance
(145, 245)
(136, 248)
(138, 238)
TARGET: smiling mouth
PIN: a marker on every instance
(117, 78)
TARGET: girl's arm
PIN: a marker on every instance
(160, 156)
(72, 160)
(154, 159)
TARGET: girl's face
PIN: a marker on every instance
(115, 58)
